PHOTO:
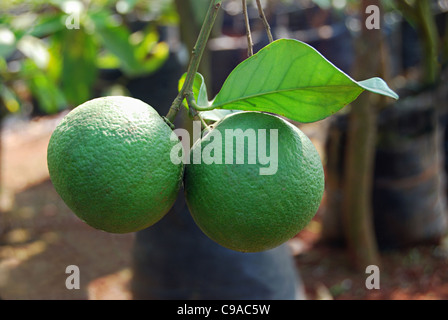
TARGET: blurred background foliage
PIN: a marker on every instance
(52, 52)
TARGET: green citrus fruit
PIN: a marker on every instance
(235, 204)
(109, 160)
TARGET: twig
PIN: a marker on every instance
(250, 44)
(265, 21)
(195, 60)
(194, 111)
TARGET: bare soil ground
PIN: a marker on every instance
(414, 273)
(40, 237)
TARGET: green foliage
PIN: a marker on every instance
(78, 71)
(55, 49)
(135, 54)
(199, 90)
(201, 98)
(288, 78)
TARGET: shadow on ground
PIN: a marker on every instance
(41, 237)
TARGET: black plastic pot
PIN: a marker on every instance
(409, 187)
(410, 178)
(175, 260)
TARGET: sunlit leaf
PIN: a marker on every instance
(135, 56)
(199, 90)
(48, 25)
(79, 70)
(116, 39)
(145, 42)
(201, 98)
(50, 98)
(106, 60)
(7, 42)
(292, 79)
(9, 99)
(35, 49)
(155, 59)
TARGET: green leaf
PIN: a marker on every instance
(377, 85)
(138, 54)
(79, 72)
(47, 25)
(50, 98)
(155, 59)
(292, 79)
(35, 49)
(150, 53)
(7, 42)
(201, 97)
(115, 39)
(145, 41)
(10, 100)
(199, 90)
(107, 60)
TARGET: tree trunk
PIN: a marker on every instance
(360, 152)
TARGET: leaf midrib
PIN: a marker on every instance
(248, 97)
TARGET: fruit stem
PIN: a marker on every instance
(195, 60)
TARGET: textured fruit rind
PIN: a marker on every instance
(242, 210)
(109, 160)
